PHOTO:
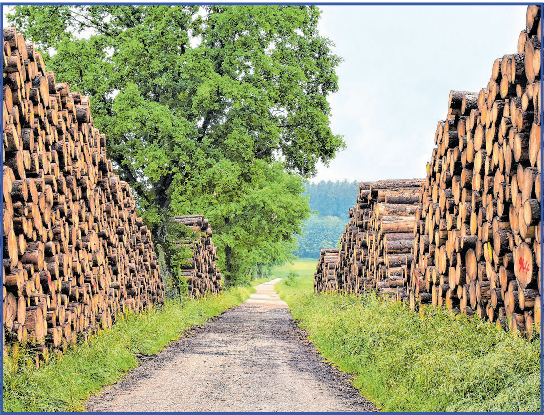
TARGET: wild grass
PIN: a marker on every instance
(64, 384)
(427, 361)
(303, 267)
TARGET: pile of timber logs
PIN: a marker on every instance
(325, 277)
(477, 240)
(476, 244)
(385, 219)
(75, 252)
(377, 242)
(202, 274)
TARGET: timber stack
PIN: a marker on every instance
(386, 234)
(325, 277)
(76, 254)
(376, 245)
(477, 239)
(375, 248)
(201, 272)
(476, 224)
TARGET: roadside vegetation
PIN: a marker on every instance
(426, 361)
(63, 384)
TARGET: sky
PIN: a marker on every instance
(399, 65)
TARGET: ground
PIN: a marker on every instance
(251, 358)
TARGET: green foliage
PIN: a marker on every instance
(332, 198)
(319, 233)
(221, 113)
(291, 279)
(175, 253)
(427, 361)
(258, 225)
(64, 384)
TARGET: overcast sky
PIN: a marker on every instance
(400, 63)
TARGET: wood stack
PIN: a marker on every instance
(201, 272)
(377, 242)
(375, 248)
(75, 252)
(387, 226)
(325, 277)
(477, 245)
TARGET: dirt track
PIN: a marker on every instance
(251, 358)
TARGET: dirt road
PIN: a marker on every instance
(251, 358)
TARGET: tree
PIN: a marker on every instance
(332, 198)
(320, 232)
(214, 110)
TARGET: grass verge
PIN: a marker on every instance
(64, 384)
(427, 361)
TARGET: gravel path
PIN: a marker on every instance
(251, 358)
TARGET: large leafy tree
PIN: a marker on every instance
(215, 110)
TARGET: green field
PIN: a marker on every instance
(304, 267)
(406, 361)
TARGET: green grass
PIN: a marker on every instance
(427, 361)
(304, 267)
(261, 280)
(64, 384)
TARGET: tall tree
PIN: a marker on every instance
(217, 110)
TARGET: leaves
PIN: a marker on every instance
(215, 110)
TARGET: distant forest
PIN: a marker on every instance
(330, 203)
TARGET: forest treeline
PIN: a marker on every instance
(330, 202)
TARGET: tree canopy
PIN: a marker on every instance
(330, 202)
(332, 198)
(214, 110)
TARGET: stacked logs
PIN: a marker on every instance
(201, 272)
(325, 277)
(375, 248)
(387, 226)
(378, 238)
(477, 239)
(75, 252)
(476, 246)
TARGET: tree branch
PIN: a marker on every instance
(133, 181)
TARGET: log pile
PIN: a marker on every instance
(325, 277)
(477, 240)
(476, 244)
(385, 220)
(376, 245)
(201, 272)
(75, 252)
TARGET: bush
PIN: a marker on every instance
(291, 279)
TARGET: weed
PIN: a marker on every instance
(291, 279)
(427, 361)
